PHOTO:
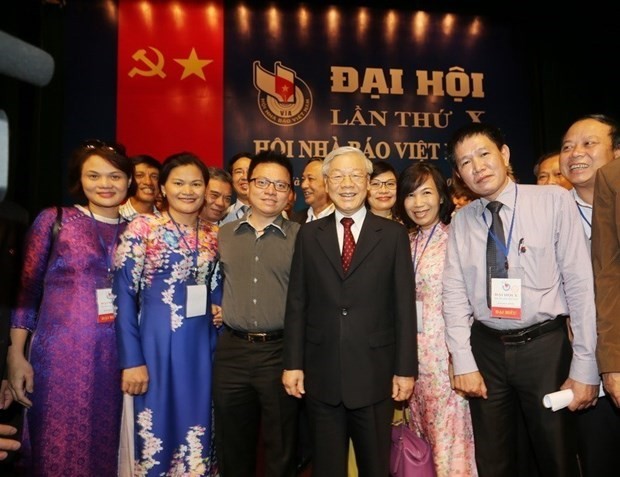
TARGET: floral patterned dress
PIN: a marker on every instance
(73, 425)
(438, 413)
(154, 264)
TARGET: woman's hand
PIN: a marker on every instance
(21, 377)
(6, 396)
(135, 381)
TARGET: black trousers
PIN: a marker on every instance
(599, 439)
(368, 427)
(248, 393)
(517, 377)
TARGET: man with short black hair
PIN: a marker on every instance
(238, 169)
(547, 171)
(589, 144)
(513, 273)
(218, 195)
(146, 175)
(255, 258)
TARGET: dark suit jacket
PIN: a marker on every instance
(300, 216)
(606, 265)
(352, 333)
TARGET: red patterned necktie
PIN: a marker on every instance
(348, 244)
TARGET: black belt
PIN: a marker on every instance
(523, 335)
(257, 337)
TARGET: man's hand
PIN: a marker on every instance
(7, 444)
(402, 387)
(470, 385)
(216, 311)
(293, 380)
(611, 382)
(135, 380)
(584, 395)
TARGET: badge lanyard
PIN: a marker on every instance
(194, 270)
(504, 248)
(583, 216)
(416, 263)
(108, 256)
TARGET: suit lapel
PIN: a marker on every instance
(328, 241)
(369, 238)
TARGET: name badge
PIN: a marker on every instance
(419, 312)
(105, 305)
(506, 298)
(196, 304)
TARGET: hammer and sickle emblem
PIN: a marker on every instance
(155, 69)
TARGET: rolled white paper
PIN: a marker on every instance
(560, 399)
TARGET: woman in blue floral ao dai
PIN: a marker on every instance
(166, 278)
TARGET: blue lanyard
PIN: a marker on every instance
(504, 248)
(579, 206)
(194, 269)
(108, 256)
(416, 264)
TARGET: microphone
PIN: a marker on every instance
(25, 62)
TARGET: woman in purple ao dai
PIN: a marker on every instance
(69, 379)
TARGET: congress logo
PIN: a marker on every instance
(283, 98)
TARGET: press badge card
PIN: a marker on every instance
(196, 301)
(419, 308)
(506, 298)
(105, 305)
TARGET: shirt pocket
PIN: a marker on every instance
(540, 269)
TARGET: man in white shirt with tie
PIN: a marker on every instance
(508, 342)
(238, 168)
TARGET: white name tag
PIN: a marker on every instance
(105, 305)
(196, 301)
(419, 311)
(506, 298)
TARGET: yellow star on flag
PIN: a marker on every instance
(193, 65)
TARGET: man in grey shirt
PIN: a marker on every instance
(505, 324)
(255, 257)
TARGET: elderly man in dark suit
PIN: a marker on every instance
(350, 328)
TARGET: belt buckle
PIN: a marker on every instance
(257, 337)
(516, 339)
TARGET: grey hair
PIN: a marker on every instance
(345, 150)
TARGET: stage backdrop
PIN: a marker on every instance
(218, 79)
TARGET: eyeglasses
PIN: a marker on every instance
(98, 144)
(263, 183)
(376, 185)
(356, 177)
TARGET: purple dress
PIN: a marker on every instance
(73, 425)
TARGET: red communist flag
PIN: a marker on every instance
(170, 78)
